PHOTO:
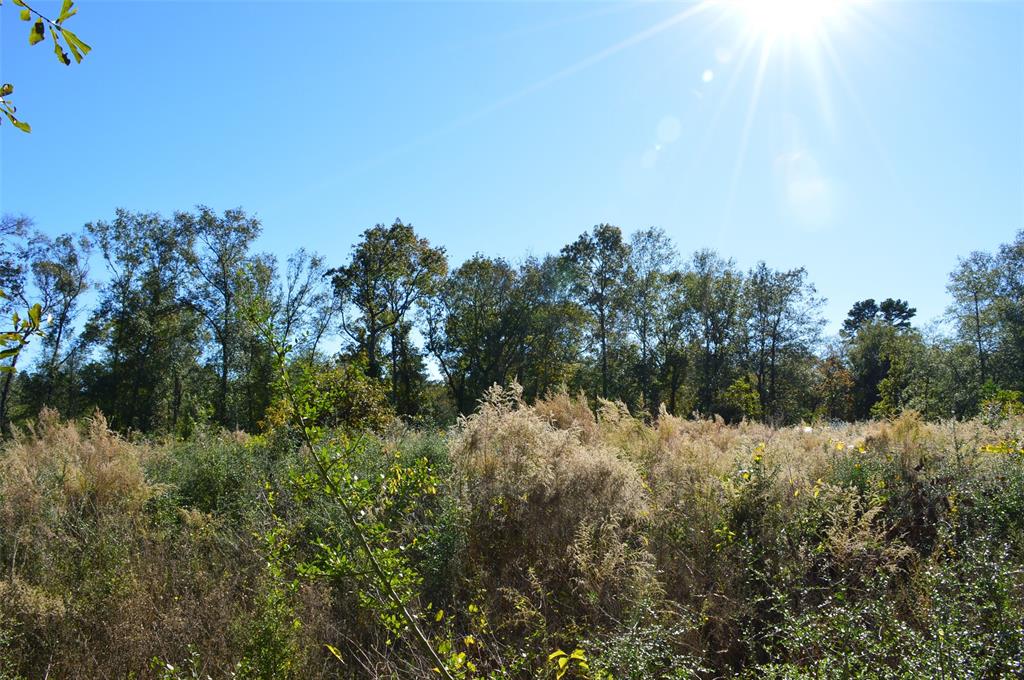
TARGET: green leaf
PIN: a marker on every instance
(5, 90)
(66, 12)
(20, 124)
(78, 48)
(62, 56)
(37, 33)
(334, 651)
(26, 15)
(35, 313)
(8, 353)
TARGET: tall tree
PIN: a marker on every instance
(712, 295)
(598, 261)
(217, 264)
(557, 325)
(973, 288)
(478, 328)
(144, 323)
(390, 273)
(652, 257)
(61, 276)
(783, 324)
(1010, 305)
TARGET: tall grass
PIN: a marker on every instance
(675, 549)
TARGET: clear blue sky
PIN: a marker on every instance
(509, 128)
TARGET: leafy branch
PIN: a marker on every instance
(36, 35)
(14, 340)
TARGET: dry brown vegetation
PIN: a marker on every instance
(681, 548)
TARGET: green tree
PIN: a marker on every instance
(147, 327)
(556, 327)
(783, 325)
(478, 327)
(1010, 308)
(712, 296)
(217, 264)
(652, 258)
(61, 277)
(391, 272)
(598, 261)
(973, 289)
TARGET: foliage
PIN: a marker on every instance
(674, 549)
(37, 34)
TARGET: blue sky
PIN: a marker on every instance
(509, 128)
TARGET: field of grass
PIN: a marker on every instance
(674, 550)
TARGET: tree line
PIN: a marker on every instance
(163, 341)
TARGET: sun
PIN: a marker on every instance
(803, 20)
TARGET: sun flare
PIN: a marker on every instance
(774, 20)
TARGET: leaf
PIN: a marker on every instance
(78, 48)
(335, 652)
(36, 34)
(5, 90)
(62, 56)
(20, 124)
(66, 11)
(35, 313)
(8, 353)
(555, 654)
(26, 15)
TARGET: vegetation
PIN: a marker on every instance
(522, 537)
(166, 344)
(625, 465)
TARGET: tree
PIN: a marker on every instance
(861, 313)
(556, 327)
(833, 389)
(896, 313)
(390, 272)
(598, 261)
(1010, 306)
(783, 324)
(478, 326)
(145, 323)
(652, 257)
(973, 288)
(307, 303)
(36, 35)
(218, 265)
(61, 277)
(712, 289)
(17, 251)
